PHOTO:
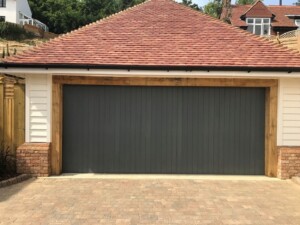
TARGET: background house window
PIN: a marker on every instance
(2, 3)
(259, 26)
(297, 22)
(2, 18)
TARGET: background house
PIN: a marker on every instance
(261, 19)
(19, 12)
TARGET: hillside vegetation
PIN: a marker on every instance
(9, 48)
(11, 31)
(14, 40)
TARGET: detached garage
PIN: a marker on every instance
(160, 89)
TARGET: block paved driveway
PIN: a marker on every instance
(150, 201)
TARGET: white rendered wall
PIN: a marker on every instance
(24, 8)
(10, 11)
(38, 108)
(288, 112)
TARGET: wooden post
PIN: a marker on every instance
(19, 113)
(271, 154)
(9, 114)
(56, 150)
(278, 38)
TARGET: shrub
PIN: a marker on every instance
(11, 31)
(7, 163)
(6, 53)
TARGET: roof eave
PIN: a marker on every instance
(283, 26)
(243, 17)
(149, 67)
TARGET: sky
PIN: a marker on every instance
(267, 2)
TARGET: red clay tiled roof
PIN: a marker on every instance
(258, 10)
(160, 33)
(281, 20)
(280, 12)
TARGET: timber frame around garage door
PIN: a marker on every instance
(271, 85)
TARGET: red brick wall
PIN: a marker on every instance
(288, 162)
(34, 159)
(33, 29)
(39, 32)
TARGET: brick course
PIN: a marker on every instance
(288, 162)
(34, 159)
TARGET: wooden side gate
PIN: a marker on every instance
(12, 112)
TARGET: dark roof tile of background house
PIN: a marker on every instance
(159, 33)
(280, 12)
(258, 10)
(281, 20)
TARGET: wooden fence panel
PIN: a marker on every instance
(1, 111)
(290, 39)
(291, 42)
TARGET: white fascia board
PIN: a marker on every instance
(152, 73)
(292, 15)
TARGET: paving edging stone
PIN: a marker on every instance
(14, 180)
(296, 180)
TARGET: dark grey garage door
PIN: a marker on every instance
(171, 130)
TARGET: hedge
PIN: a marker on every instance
(11, 31)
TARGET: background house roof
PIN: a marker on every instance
(159, 33)
(280, 12)
(258, 10)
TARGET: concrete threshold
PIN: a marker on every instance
(162, 177)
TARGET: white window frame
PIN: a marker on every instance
(260, 24)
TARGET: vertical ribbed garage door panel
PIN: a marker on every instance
(118, 129)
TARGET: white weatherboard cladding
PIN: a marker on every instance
(38, 108)
(289, 112)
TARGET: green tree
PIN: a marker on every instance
(245, 2)
(93, 10)
(214, 8)
(62, 16)
(129, 3)
(297, 3)
(189, 3)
